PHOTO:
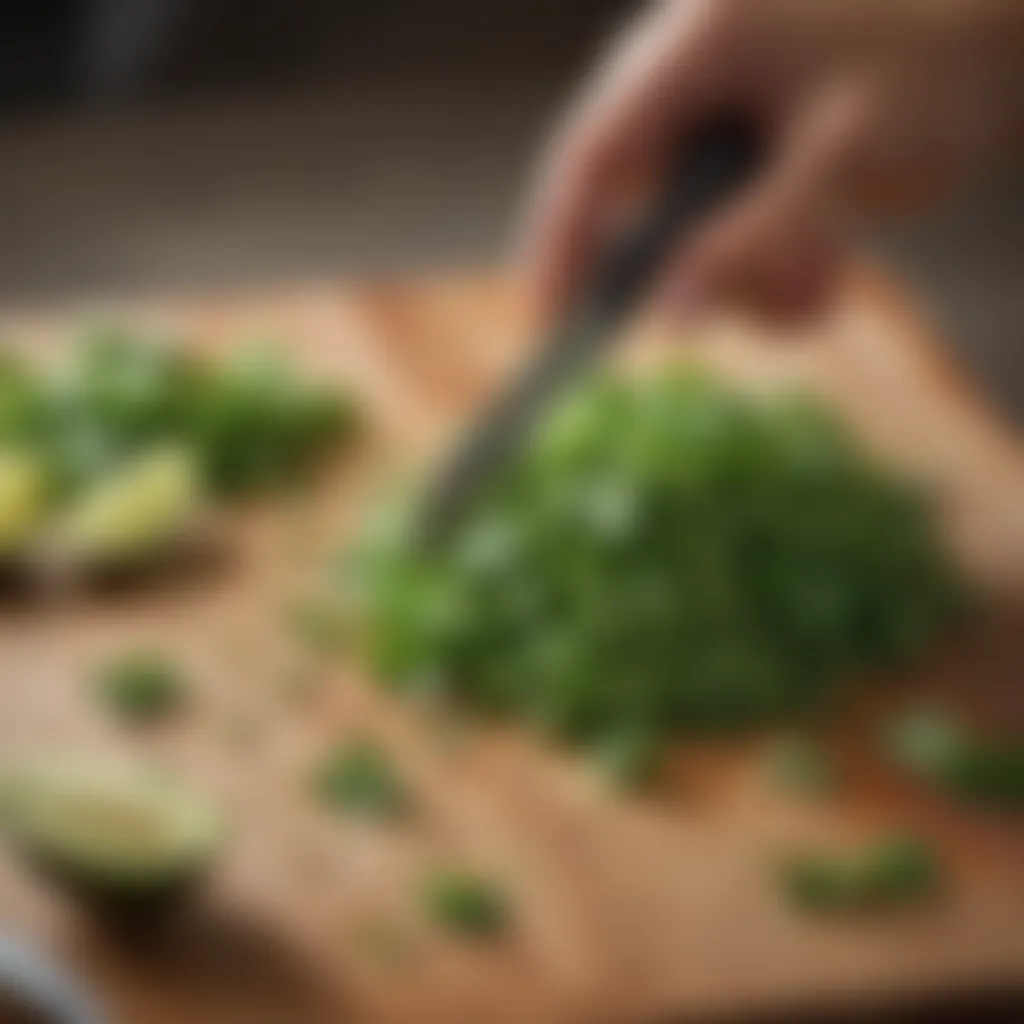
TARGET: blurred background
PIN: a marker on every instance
(169, 144)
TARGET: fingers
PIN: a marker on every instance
(664, 72)
(776, 248)
(782, 283)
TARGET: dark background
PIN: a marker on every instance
(154, 144)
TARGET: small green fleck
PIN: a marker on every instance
(465, 904)
(893, 872)
(925, 741)
(968, 766)
(814, 882)
(357, 778)
(627, 757)
(141, 687)
(900, 869)
(990, 774)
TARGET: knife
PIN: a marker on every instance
(40, 986)
(710, 167)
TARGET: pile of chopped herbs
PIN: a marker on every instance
(667, 554)
(128, 433)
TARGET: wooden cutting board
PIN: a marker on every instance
(626, 909)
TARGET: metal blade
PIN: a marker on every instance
(496, 439)
(711, 166)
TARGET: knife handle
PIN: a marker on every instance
(709, 168)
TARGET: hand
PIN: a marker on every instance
(864, 104)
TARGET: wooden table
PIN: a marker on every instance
(626, 909)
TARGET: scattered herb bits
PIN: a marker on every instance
(141, 687)
(107, 457)
(252, 419)
(465, 904)
(359, 779)
(667, 554)
(258, 423)
(802, 766)
(894, 872)
(970, 767)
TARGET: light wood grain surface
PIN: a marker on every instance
(625, 908)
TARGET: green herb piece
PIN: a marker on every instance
(358, 778)
(253, 420)
(627, 758)
(260, 424)
(901, 869)
(970, 767)
(815, 882)
(925, 741)
(141, 687)
(802, 766)
(666, 555)
(118, 446)
(990, 774)
(465, 904)
(125, 383)
(893, 872)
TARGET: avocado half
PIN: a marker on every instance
(124, 837)
(135, 513)
(24, 500)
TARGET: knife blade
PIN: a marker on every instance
(710, 167)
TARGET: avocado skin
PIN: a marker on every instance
(118, 886)
(127, 903)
